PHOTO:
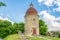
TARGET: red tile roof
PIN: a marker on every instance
(31, 10)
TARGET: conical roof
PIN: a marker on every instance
(31, 10)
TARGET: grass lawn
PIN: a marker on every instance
(12, 37)
(16, 37)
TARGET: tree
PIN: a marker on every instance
(5, 28)
(7, 23)
(2, 4)
(59, 34)
(42, 27)
(1, 23)
(19, 26)
(15, 28)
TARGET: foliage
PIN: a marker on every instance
(54, 34)
(21, 27)
(6, 28)
(59, 34)
(18, 27)
(42, 27)
(2, 4)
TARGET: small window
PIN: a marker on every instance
(33, 19)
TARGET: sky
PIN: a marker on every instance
(48, 10)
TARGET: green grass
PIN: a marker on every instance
(12, 37)
(16, 37)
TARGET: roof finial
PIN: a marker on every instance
(31, 5)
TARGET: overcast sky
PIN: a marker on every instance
(48, 10)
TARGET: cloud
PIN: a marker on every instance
(40, 0)
(51, 21)
(49, 3)
(1, 18)
(58, 4)
(58, 9)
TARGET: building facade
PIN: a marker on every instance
(31, 21)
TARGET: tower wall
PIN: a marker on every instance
(31, 21)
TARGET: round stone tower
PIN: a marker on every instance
(31, 21)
